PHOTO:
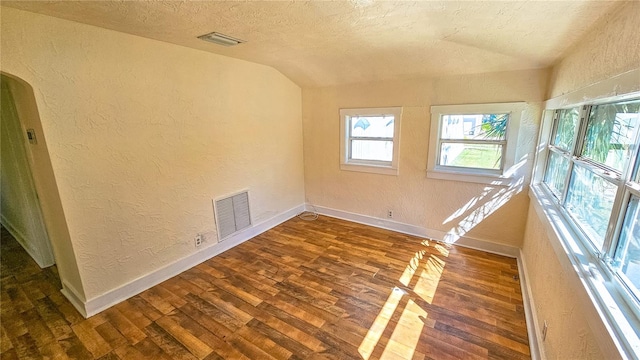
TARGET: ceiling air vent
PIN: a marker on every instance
(232, 214)
(220, 39)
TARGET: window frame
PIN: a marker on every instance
(620, 178)
(502, 176)
(371, 166)
(613, 298)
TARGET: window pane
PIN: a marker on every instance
(611, 133)
(483, 156)
(372, 150)
(477, 127)
(627, 258)
(372, 126)
(589, 201)
(567, 125)
(557, 172)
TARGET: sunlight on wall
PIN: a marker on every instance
(479, 208)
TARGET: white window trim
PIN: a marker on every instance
(370, 166)
(612, 313)
(610, 310)
(483, 176)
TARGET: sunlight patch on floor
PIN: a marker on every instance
(404, 339)
(407, 331)
(413, 265)
(429, 278)
(377, 328)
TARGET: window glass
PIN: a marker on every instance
(483, 156)
(590, 201)
(557, 172)
(611, 133)
(372, 150)
(475, 142)
(568, 120)
(372, 126)
(478, 127)
(369, 140)
(627, 257)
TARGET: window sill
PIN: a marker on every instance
(383, 170)
(469, 176)
(611, 314)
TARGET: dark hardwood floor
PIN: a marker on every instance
(324, 289)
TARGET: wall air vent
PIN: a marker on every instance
(232, 214)
(220, 39)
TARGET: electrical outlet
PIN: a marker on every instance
(390, 214)
(544, 330)
(198, 240)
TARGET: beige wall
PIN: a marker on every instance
(556, 292)
(45, 184)
(19, 207)
(143, 134)
(438, 205)
(611, 48)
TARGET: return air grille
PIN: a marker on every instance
(232, 214)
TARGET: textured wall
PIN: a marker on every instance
(144, 134)
(555, 287)
(19, 207)
(45, 183)
(433, 204)
(610, 48)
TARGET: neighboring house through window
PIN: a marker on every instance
(369, 139)
(475, 142)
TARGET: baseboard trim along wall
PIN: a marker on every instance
(468, 242)
(535, 338)
(97, 304)
(21, 239)
(74, 298)
(437, 235)
(108, 299)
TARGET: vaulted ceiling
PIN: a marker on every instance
(320, 43)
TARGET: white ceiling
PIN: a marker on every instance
(320, 43)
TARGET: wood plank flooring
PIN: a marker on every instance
(324, 289)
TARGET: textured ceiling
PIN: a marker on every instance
(319, 43)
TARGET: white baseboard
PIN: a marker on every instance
(110, 298)
(437, 235)
(22, 240)
(530, 311)
(72, 295)
(102, 302)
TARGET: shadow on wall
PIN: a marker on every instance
(480, 207)
(45, 183)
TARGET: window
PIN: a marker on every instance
(590, 163)
(369, 139)
(592, 172)
(473, 142)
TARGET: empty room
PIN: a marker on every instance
(353, 179)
